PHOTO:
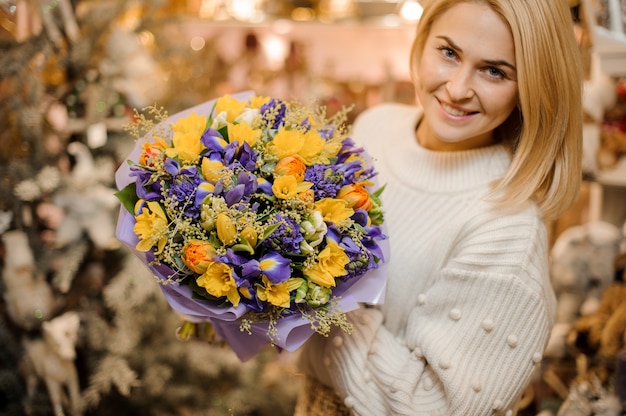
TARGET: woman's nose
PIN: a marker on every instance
(459, 85)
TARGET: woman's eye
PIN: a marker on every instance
(447, 52)
(495, 72)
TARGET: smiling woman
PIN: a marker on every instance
(466, 79)
(471, 173)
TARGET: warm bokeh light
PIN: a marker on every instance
(411, 10)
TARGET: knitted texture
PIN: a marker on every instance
(468, 307)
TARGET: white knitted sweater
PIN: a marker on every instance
(468, 307)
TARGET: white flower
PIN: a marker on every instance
(251, 116)
(220, 121)
(27, 190)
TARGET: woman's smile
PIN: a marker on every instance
(454, 111)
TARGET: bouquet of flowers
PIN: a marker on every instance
(257, 215)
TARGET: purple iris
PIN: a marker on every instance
(373, 233)
(144, 186)
(273, 113)
(274, 266)
(247, 157)
(246, 186)
(286, 238)
(183, 187)
(230, 153)
(247, 272)
(212, 140)
(350, 169)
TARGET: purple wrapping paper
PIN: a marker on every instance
(293, 331)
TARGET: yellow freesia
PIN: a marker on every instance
(218, 281)
(232, 106)
(334, 210)
(151, 228)
(287, 143)
(331, 263)
(186, 136)
(313, 146)
(279, 294)
(242, 132)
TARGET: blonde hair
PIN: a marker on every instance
(545, 131)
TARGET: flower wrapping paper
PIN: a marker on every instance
(293, 330)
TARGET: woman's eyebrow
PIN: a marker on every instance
(497, 62)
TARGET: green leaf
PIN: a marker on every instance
(224, 132)
(243, 246)
(269, 230)
(128, 197)
(379, 191)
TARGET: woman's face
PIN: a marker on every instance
(466, 78)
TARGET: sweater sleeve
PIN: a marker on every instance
(471, 344)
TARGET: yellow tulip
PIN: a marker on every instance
(211, 170)
(151, 152)
(250, 235)
(226, 229)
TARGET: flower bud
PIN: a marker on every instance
(211, 170)
(152, 152)
(197, 255)
(291, 165)
(356, 195)
(226, 229)
(317, 295)
(250, 235)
